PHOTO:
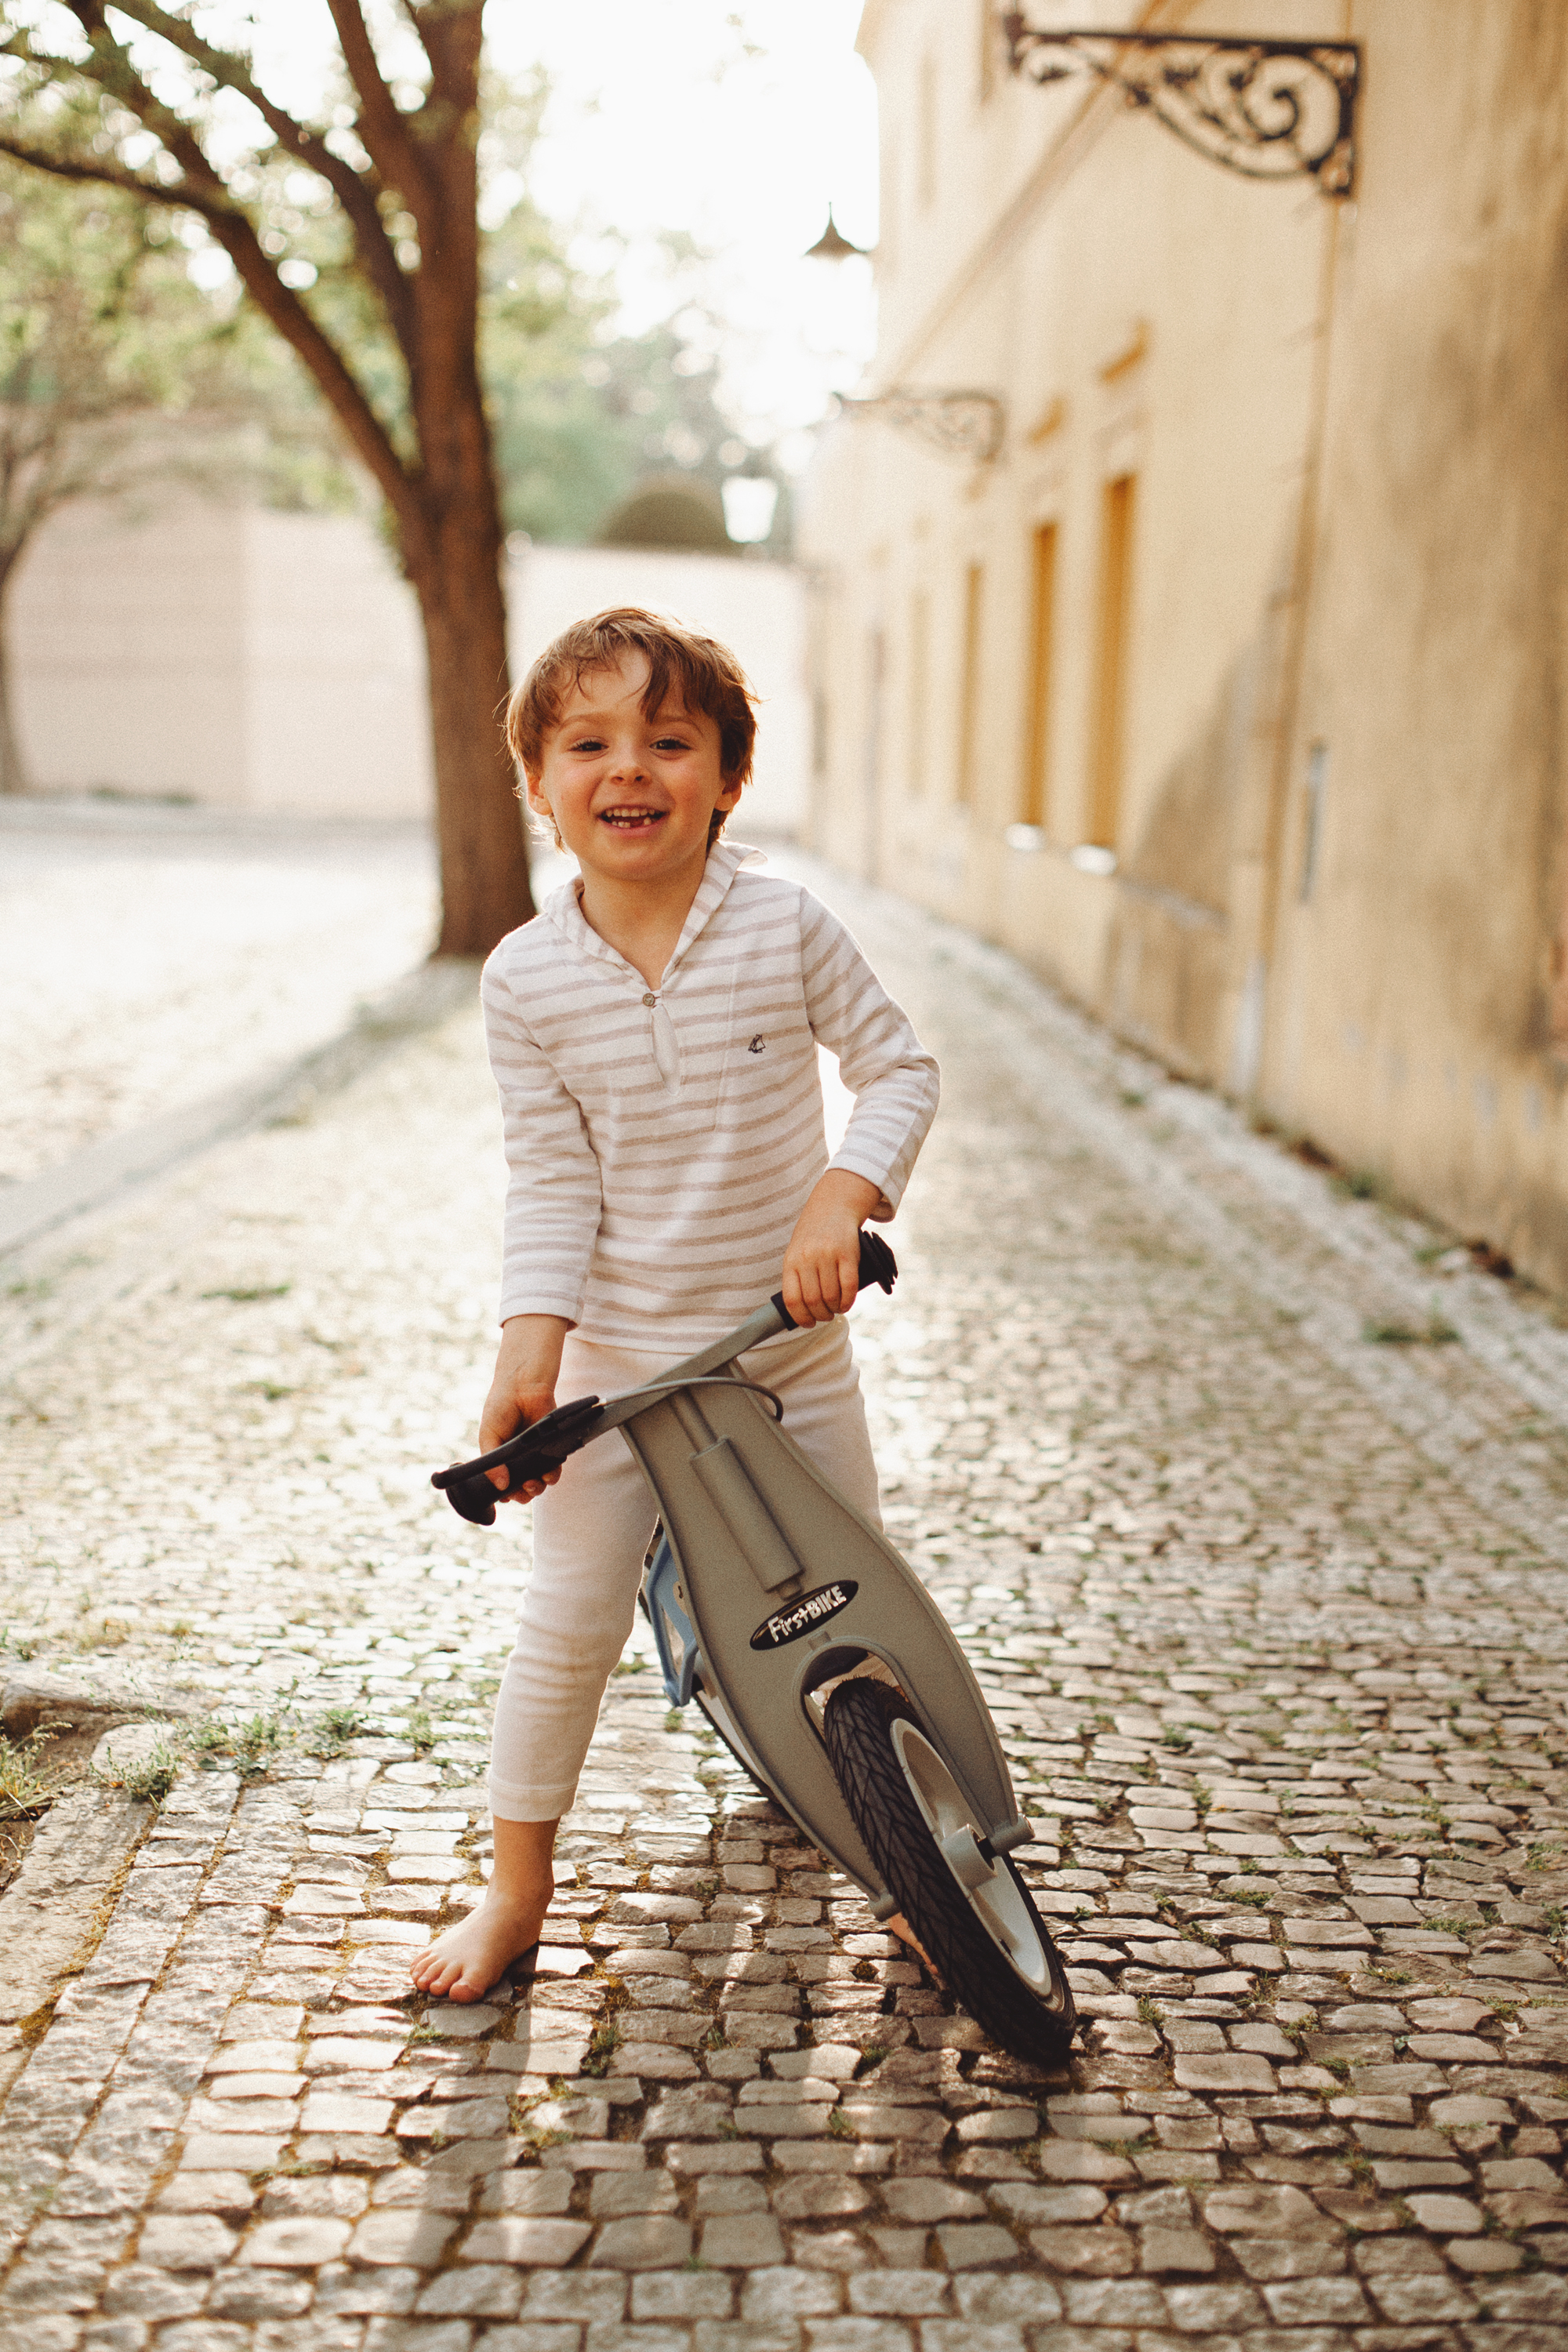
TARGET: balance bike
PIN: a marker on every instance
(824, 1664)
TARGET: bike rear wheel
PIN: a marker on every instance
(986, 1940)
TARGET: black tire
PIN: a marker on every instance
(1034, 2021)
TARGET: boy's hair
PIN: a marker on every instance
(704, 674)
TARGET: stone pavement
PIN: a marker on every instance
(124, 926)
(1268, 1607)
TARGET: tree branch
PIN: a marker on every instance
(277, 303)
(204, 192)
(110, 175)
(386, 135)
(357, 196)
(112, 70)
(230, 69)
(454, 63)
(342, 388)
(410, 13)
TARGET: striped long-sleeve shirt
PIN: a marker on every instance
(663, 1141)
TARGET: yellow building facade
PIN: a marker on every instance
(1230, 688)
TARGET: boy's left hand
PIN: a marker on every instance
(822, 1264)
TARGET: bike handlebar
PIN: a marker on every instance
(879, 1267)
(544, 1444)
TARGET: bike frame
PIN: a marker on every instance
(768, 1585)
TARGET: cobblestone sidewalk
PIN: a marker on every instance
(1267, 1600)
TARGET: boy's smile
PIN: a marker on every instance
(628, 818)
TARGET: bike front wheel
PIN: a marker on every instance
(986, 1941)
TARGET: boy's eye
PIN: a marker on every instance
(588, 743)
(672, 744)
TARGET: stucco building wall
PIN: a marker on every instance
(224, 655)
(1417, 1023)
(233, 655)
(1337, 838)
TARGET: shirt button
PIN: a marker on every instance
(651, 999)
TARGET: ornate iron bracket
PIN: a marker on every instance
(1270, 109)
(958, 423)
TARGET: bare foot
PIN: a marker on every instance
(899, 1925)
(464, 1963)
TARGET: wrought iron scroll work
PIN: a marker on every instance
(1270, 109)
(958, 423)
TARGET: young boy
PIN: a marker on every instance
(654, 1036)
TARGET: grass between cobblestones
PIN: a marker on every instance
(1268, 1615)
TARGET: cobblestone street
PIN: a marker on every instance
(1250, 1501)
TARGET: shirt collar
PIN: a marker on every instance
(725, 860)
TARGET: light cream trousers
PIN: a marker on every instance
(591, 1532)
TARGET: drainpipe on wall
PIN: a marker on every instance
(1256, 876)
(872, 779)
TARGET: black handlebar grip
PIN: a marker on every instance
(877, 1264)
(543, 1445)
(879, 1267)
(474, 1499)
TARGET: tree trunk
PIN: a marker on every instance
(454, 553)
(13, 774)
(478, 822)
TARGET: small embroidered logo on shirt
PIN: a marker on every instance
(757, 1044)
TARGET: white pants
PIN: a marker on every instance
(591, 1532)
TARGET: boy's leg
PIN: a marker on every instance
(465, 1962)
(815, 1379)
(590, 1534)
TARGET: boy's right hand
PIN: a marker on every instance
(522, 1392)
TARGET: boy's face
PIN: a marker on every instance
(632, 797)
